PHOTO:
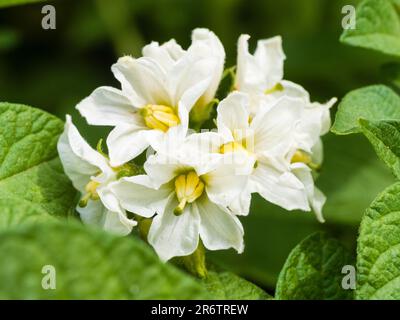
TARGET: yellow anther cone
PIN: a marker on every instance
(159, 117)
(188, 188)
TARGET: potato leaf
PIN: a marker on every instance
(378, 251)
(313, 270)
(377, 27)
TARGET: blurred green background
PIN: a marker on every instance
(55, 69)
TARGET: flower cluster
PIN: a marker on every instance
(193, 185)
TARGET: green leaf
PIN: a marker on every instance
(9, 3)
(385, 138)
(378, 251)
(31, 175)
(13, 212)
(377, 27)
(313, 270)
(376, 102)
(226, 285)
(89, 264)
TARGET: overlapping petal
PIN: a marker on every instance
(172, 235)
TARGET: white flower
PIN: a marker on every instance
(261, 76)
(266, 139)
(91, 174)
(316, 198)
(187, 190)
(158, 91)
(307, 150)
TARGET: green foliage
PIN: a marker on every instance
(31, 175)
(375, 111)
(313, 270)
(378, 251)
(378, 27)
(385, 138)
(376, 102)
(89, 264)
(226, 285)
(13, 212)
(9, 3)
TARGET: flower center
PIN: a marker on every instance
(188, 188)
(91, 193)
(160, 117)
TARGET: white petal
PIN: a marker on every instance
(169, 141)
(137, 194)
(308, 130)
(274, 127)
(205, 142)
(281, 188)
(292, 90)
(79, 160)
(201, 151)
(166, 54)
(96, 214)
(93, 213)
(107, 106)
(315, 197)
(248, 75)
(108, 198)
(241, 204)
(215, 50)
(117, 223)
(263, 70)
(126, 143)
(314, 123)
(116, 220)
(225, 183)
(174, 50)
(175, 156)
(270, 56)
(189, 80)
(163, 168)
(143, 80)
(233, 115)
(173, 236)
(324, 114)
(317, 204)
(317, 152)
(219, 229)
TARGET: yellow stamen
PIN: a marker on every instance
(301, 156)
(232, 147)
(91, 193)
(159, 117)
(277, 87)
(188, 188)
